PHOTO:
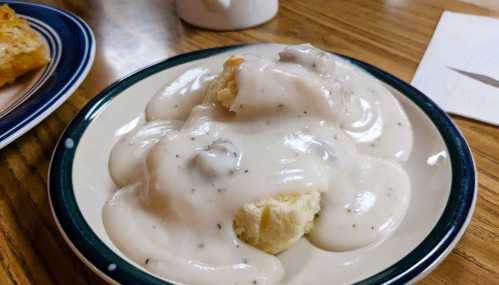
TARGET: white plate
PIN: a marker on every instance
(440, 167)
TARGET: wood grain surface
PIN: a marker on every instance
(391, 34)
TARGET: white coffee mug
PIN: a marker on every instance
(226, 14)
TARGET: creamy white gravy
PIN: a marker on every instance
(303, 120)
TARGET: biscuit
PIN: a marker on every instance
(274, 224)
(223, 89)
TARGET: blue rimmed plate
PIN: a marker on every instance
(441, 169)
(33, 97)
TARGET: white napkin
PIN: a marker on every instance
(460, 69)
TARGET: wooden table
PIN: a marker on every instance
(391, 34)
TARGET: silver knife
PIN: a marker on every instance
(476, 76)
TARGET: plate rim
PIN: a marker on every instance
(31, 117)
(106, 263)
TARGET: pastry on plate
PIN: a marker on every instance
(21, 48)
(224, 88)
(274, 224)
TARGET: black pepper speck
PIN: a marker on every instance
(147, 261)
(219, 226)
